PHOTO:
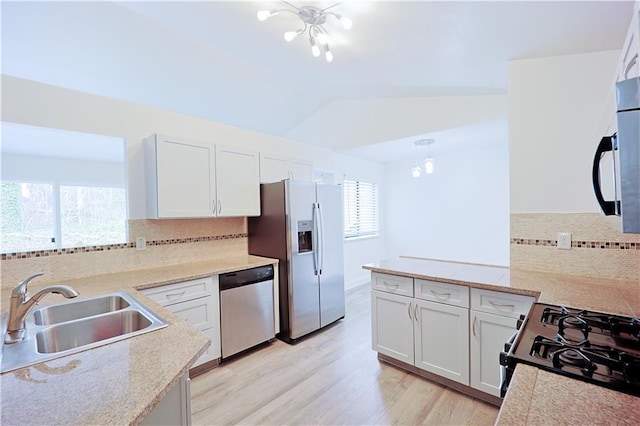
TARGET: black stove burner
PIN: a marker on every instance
(627, 329)
(584, 357)
(599, 348)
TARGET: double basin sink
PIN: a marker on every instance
(66, 328)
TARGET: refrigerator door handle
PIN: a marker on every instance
(316, 241)
(321, 239)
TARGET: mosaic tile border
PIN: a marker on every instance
(607, 245)
(88, 249)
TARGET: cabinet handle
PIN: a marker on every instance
(502, 305)
(409, 311)
(441, 295)
(172, 295)
(219, 206)
(475, 321)
(415, 312)
(392, 285)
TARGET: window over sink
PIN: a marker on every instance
(60, 189)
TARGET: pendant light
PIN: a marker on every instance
(429, 162)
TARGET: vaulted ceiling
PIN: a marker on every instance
(217, 61)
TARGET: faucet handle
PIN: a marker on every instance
(21, 289)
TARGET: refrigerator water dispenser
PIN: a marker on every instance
(304, 236)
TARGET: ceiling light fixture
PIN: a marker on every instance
(429, 162)
(313, 20)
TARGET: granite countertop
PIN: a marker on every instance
(119, 383)
(537, 397)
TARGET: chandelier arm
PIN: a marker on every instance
(290, 5)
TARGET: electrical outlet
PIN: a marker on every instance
(141, 243)
(564, 240)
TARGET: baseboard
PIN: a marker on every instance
(358, 282)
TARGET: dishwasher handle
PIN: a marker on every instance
(244, 277)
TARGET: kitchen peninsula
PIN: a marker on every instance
(122, 382)
(533, 392)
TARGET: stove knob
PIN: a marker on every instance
(503, 358)
(520, 321)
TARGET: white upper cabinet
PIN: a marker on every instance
(237, 182)
(186, 178)
(274, 169)
(301, 170)
(629, 64)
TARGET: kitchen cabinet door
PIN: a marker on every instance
(392, 325)
(442, 340)
(489, 333)
(629, 65)
(237, 182)
(273, 169)
(180, 178)
(301, 170)
(174, 408)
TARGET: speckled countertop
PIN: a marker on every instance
(538, 397)
(119, 383)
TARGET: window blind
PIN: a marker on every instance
(360, 209)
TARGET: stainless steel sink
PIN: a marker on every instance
(67, 328)
(74, 334)
(82, 309)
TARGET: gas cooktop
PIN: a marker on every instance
(594, 347)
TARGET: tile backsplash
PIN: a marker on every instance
(169, 241)
(597, 249)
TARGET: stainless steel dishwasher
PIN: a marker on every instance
(246, 309)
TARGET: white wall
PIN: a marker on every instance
(372, 249)
(461, 212)
(37, 104)
(556, 109)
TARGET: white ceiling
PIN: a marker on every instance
(217, 61)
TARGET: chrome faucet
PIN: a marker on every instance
(20, 305)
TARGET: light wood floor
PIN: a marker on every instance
(332, 378)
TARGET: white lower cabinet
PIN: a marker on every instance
(492, 323)
(445, 329)
(198, 303)
(392, 325)
(429, 335)
(442, 340)
(488, 335)
(175, 408)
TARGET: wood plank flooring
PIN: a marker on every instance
(331, 378)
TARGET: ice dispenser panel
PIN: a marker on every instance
(304, 236)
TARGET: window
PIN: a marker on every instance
(41, 216)
(360, 209)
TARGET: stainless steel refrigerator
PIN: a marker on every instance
(301, 226)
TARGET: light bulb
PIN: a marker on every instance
(416, 171)
(346, 23)
(428, 165)
(290, 35)
(328, 56)
(315, 50)
(264, 14)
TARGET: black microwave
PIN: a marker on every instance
(624, 147)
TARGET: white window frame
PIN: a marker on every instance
(361, 215)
